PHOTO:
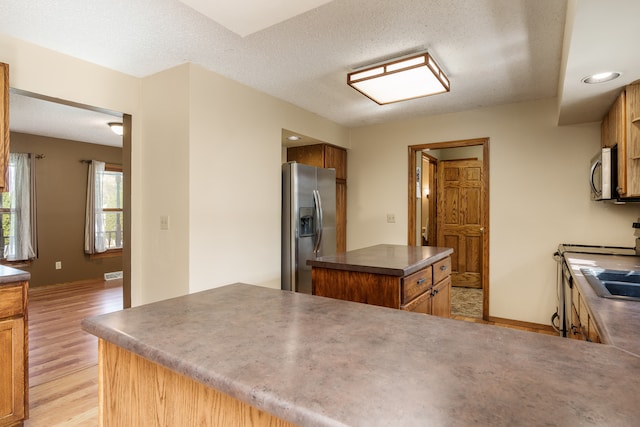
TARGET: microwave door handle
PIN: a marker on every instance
(593, 171)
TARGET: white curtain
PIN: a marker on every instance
(22, 240)
(94, 229)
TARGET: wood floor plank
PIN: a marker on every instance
(57, 344)
(63, 359)
(69, 400)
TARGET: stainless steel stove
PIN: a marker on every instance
(561, 319)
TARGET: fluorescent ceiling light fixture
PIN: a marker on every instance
(116, 128)
(401, 79)
(601, 77)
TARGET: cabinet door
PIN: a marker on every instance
(421, 304)
(632, 161)
(441, 298)
(335, 157)
(311, 155)
(605, 139)
(12, 371)
(576, 331)
(593, 332)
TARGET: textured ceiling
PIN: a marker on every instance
(493, 51)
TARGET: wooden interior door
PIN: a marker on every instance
(459, 218)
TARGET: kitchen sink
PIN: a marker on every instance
(616, 284)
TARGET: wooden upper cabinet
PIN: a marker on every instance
(322, 156)
(335, 157)
(613, 124)
(4, 124)
(311, 155)
(605, 141)
(621, 128)
(632, 149)
(328, 156)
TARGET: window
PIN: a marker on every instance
(112, 206)
(104, 216)
(6, 212)
(18, 237)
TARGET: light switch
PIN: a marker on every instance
(164, 222)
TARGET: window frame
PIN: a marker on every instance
(110, 253)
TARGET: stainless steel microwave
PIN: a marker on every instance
(604, 174)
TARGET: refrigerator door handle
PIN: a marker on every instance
(318, 205)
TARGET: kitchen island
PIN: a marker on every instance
(411, 278)
(281, 358)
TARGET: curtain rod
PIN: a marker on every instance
(108, 163)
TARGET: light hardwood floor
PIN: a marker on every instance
(63, 359)
(63, 373)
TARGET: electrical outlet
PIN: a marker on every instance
(391, 218)
(58, 265)
(164, 222)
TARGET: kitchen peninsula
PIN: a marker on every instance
(411, 278)
(247, 355)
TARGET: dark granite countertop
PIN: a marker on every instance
(392, 260)
(618, 321)
(318, 361)
(10, 275)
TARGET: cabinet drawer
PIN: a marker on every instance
(10, 300)
(441, 269)
(422, 304)
(415, 284)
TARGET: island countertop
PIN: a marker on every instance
(318, 361)
(391, 260)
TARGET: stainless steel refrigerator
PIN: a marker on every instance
(308, 221)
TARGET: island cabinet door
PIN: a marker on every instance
(441, 298)
(422, 304)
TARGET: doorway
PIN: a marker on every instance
(451, 181)
(46, 116)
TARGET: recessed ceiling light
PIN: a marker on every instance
(293, 138)
(601, 77)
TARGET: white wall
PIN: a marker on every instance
(235, 179)
(184, 121)
(165, 182)
(539, 195)
(42, 71)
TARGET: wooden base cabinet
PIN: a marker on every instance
(426, 291)
(13, 354)
(133, 391)
(582, 325)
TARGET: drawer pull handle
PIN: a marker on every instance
(443, 267)
(421, 281)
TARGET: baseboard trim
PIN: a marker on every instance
(521, 324)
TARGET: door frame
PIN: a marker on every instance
(411, 237)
